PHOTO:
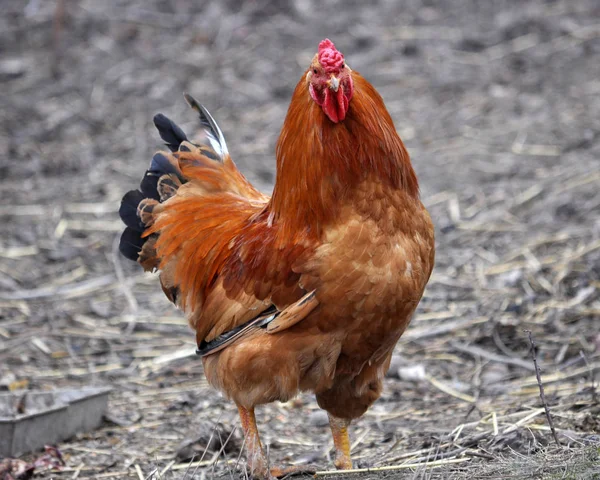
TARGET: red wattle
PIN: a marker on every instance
(342, 103)
(330, 107)
(335, 105)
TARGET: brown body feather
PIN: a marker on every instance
(345, 220)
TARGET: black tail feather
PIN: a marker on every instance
(131, 243)
(161, 164)
(160, 182)
(128, 210)
(149, 185)
(169, 131)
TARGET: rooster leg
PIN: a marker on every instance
(341, 442)
(257, 460)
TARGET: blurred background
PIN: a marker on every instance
(499, 105)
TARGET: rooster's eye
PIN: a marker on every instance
(315, 71)
(343, 65)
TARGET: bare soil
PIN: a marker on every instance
(499, 105)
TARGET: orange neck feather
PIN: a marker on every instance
(320, 162)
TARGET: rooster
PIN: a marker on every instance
(309, 289)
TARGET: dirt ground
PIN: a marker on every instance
(499, 105)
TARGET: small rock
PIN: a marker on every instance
(412, 373)
(318, 418)
(398, 361)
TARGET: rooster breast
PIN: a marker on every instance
(372, 269)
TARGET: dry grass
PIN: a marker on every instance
(499, 107)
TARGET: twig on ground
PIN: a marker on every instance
(540, 384)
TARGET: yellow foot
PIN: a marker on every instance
(341, 442)
(342, 462)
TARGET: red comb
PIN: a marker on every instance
(329, 57)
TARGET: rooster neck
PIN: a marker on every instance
(319, 163)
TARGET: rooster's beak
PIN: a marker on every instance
(333, 83)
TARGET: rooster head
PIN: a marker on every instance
(330, 81)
